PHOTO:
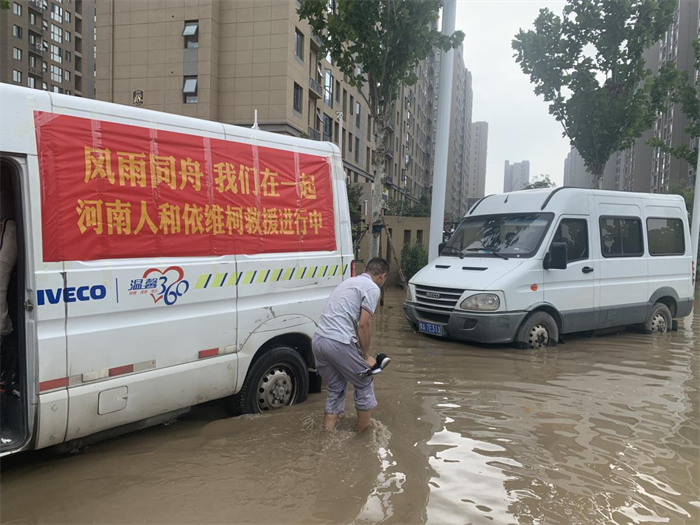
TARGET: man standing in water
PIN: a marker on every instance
(343, 332)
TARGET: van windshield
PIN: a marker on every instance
(509, 235)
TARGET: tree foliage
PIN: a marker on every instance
(4, 4)
(543, 181)
(588, 64)
(377, 45)
(683, 91)
(413, 259)
(355, 202)
(402, 208)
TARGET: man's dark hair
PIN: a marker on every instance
(377, 266)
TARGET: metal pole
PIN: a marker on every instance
(695, 227)
(442, 135)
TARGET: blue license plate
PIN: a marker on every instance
(429, 328)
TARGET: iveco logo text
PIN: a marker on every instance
(71, 294)
(433, 295)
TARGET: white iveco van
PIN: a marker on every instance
(529, 266)
(162, 261)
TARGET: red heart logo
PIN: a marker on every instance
(159, 292)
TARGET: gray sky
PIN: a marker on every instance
(520, 126)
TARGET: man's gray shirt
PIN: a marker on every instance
(341, 315)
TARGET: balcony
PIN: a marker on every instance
(38, 49)
(316, 40)
(390, 126)
(35, 71)
(37, 5)
(314, 133)
(315, 88)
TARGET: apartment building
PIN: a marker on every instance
(49, 45)
(477, 159)
(671, 125)
(516, 176)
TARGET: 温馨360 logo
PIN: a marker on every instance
(163, 285)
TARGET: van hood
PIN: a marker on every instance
(469, 273)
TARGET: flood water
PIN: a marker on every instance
(596, 431)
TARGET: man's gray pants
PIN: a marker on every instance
(338, 363)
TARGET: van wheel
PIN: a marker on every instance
(539, 330)
(659, 320)
(279, 378)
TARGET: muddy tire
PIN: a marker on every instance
(538, 330)
(659, 320)
(278, 378)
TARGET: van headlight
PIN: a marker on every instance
(410, 298)
(481, 301)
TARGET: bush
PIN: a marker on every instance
(413, 259)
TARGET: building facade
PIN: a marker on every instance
(516, 176)
(671, 125)
(478, 158)
(49, 45)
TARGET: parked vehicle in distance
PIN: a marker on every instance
(529, 266)
(163, 261)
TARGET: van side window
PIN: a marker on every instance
(574, 232)
(621, 237)
(666, 236)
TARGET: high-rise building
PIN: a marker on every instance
(516, 176)
(456, 195)
(478, 158)
(672, 125)
(49, 45)
(224, 60)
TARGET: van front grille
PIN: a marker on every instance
(438, 299)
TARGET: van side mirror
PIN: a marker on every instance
(441, 247)
(556, 257)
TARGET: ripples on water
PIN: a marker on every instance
(595, 431)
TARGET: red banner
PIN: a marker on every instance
(116, 191)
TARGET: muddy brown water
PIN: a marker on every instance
(596, 431)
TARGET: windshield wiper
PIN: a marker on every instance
(488, 250)
(454, 251)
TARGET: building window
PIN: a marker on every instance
(56, 54)
(56, 13)
(350, 142)
(44, 66)
(191, 34)
(31, 82)
(32, 18)
(327, 128)
(189, 90)
(66, 15)
(44, 86)
(358, 116)
(17, 76)
(56, 33)
(357, 150)
(16, 53)
(17, 9)
(16, 31)
(328, 90)
(298, 97)
(68, 56)
(67, 76)
(666, 236)
(67, 36)
(337, 91)
(32, 39)
(56, 74)
(32, 61)
(352, 105)
(299, 44)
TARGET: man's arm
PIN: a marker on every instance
(365, 332)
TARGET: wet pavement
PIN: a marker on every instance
(596, 431)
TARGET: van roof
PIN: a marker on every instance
(565, 198)
(17, 133)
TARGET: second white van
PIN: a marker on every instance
(527, 267)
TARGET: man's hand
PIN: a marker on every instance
(371, 361)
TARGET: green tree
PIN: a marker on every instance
(588, 64)
(683, 91)
(4, 4)
(355, 202)
(402, 208)
(377, 45)
(543, 181)
(413, 259)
